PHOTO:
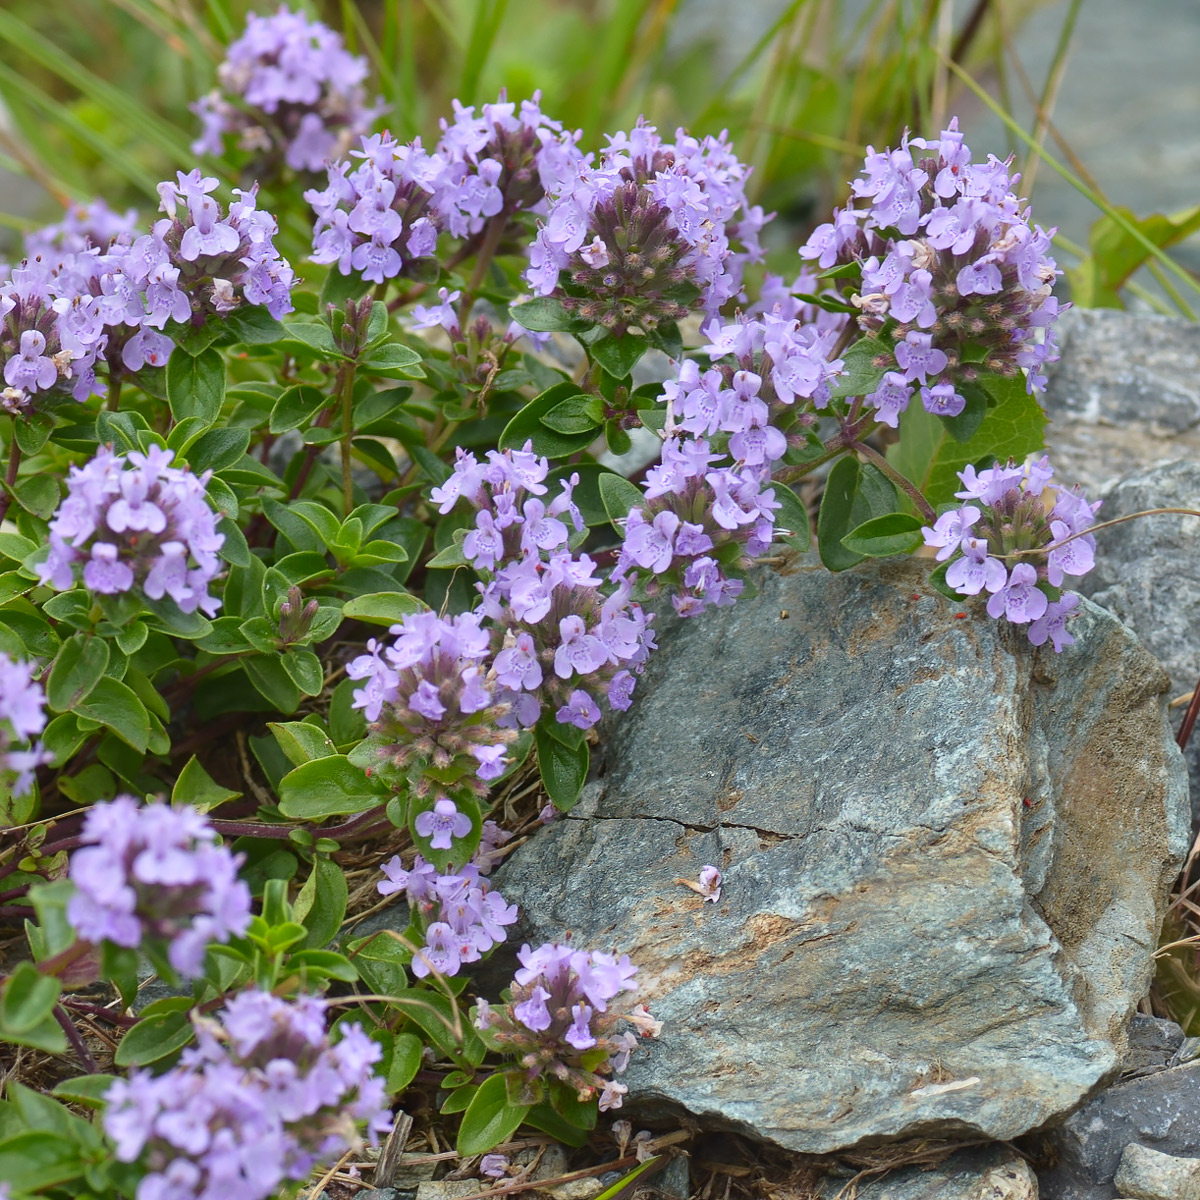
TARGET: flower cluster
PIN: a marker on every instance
(383, 217)
(951, 267)
(155, 876)
(462, 917)
(561, 638)
(557, 1024)
(699, 520)
(505, 160)
(199, 260)
(50, 335)
(289, 89)
(431, 704)
(1013, 510)
(21, 718)
(259, 1100)
(92, 293)
(648, 234)
(141, 524)
(83, 227)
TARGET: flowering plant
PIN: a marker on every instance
(323, 559)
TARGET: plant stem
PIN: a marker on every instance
(346, 396)
(77, 1043)
(906, 485)
(10, 474)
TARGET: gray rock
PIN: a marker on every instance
(1153, 1044)
(1146, 1174)
(990, 1173)
(1160, 1111)
(447, 1189)
(945, 861)
(1147, 573)
(1124, 396)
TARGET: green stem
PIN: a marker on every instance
(487, 251)
(346, 395)
(10, 474)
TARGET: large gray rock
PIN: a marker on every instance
(945, 860)
(1124, 395)
(1147, 574)
(1160, 1112)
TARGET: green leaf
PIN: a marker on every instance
(217, 449)
(319, 965)
(619, 496)
(406, 1062)
(382, 608)
(327, 787)
(618, 355)
(544, 1117)
(155, 1037)
(304, 667)
(27, 999)
(546, 315)
(121, 429)
(117, 706)
(489, 1119)
(37, 1159)
(33, 431)
(864, 365)
(195, 786)
(791, 515)
(881, 537)
(854, 493)
(527, 426)
(253, 326)
(195, 386)
(928, 456)
(301, 741)
(37, 494)
(87, 1090)
(394, 361)
(564, 768)
(272, 682)
(576, 414)
(297, 406)
(328, 904)
(339, 288)
(382, 961)
(1116, 254)
(80, 665)
(307, 334)
(618, 1187)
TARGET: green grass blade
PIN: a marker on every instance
(488, 16)
(114, 156)
(31, 44)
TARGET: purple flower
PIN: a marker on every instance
(21, 718)
(288, 90)
(975, 570)
(156, 873)
(709, 884)
(139, 523)
(443, 823)
(1052, 624)
(1019, 600)
(580, 710)
(493, 1166)
(258, 1101)
(949, 530)
(557, 1012)
(632, 231)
